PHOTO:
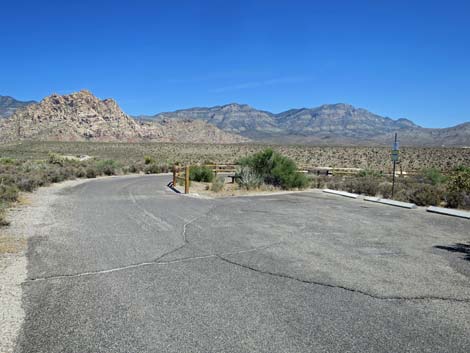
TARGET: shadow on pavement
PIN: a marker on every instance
(459, 247)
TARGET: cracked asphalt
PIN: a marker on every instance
(126, 265)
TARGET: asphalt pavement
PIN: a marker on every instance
(126, 265)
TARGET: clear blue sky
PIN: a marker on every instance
(396, 58)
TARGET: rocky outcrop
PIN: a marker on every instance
(81, 116)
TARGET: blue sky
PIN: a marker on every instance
(396, 58)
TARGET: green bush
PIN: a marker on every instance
(91, 173)
(275, 169)
(149, 160)
(459, 180)
(201, 174)
(218, 184)
(107, 167)
(8, 193)
(432, 176)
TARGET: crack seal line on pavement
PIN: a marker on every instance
(149, 263)
(323, 284)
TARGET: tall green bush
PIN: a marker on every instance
(275, 169)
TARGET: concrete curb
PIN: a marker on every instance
(449, 212)
(341, 193)
(391, 202)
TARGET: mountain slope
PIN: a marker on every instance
(328, 124)
(82, 116)
(236, 118)
(8, 105)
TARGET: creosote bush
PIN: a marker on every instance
(201, 174)
(275, 169)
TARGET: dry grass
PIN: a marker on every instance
(11, 245)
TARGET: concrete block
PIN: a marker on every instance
(371, 199)
(397, 203)
(341, 193)
(449, 212)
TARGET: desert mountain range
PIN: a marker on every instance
(82, 116)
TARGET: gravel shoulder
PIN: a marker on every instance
(28, 218)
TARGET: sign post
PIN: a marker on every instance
(395, 154)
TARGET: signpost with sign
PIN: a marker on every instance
(395, 157)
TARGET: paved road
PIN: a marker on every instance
(125, 265)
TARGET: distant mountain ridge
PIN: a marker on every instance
(327, 124)
(8, 105)
(81, 116)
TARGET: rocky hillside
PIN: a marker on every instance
(82, 116)
(8, 105)
(236, 118)
(327, 124)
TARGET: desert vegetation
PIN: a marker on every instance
(427, 187)
(26, 175)
(272, 168)
(436, 176)
(373, 158)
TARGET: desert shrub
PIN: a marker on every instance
(8, 193)
(369, 173)
(80, 172)
(425, 194)
(29, 183)
(7, 161)
(136, 167)
(455, 199)
(55, 158)
(155, 168)
(366, 185)
(149, 160)
(384, 189)
(107, 167)
(218, 184)
(432, 176)
(91, 173)
(201, 173)
(3, 221)
(247, 178)
(275, 169)
(459, 180)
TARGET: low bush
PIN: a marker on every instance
(432, 176)
(8, 193)
(3, 221)
(91, 173)
(425, 194)
(247, 178)
(201, 174)
(155, 168)
(149, 160)
(107, 167)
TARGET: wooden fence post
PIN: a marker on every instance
(174, 175)
(186, 180)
